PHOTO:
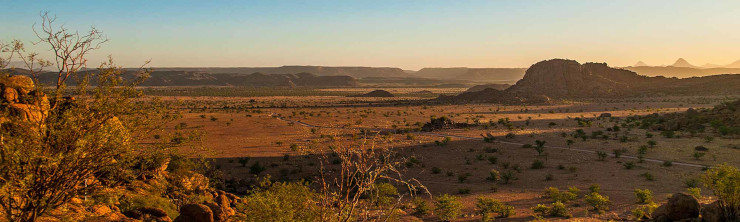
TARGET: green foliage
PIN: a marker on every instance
(281, 201)
(494, 176)
(508, 176)
(436, 170)
(256, 168)
(383, 194)
(421, 208)
(447, 207)
(557, 209)
(599, 202)
(602, 155)
(724, 181)
(692, 182)
(644, 196)
(559, 196)
(594, 188)
(538, 164)
(134, 202)
(487, 207)
(695, 192)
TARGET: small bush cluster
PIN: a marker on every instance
(487, 207)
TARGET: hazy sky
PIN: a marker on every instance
(402, 33)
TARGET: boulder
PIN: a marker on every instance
(604, 115)
(701, 148)
(679, 207)
(23, 84)
(220, 213)
(195, 213)
(711, 213)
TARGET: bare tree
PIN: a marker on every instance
(362, 164)
(69, 48)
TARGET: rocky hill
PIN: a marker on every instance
(375, 93)
(560, 78)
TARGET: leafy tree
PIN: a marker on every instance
(447, 207)
(724, 181)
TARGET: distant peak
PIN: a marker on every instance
(682, 63)
(640, 63)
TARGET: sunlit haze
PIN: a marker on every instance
(405, 34)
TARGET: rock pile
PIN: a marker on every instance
(21, 99)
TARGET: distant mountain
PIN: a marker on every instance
(473, 74)
(710, 66)
(735, 64)
(197, 78)
(681, 72)
(682, 63)
(357, 72)
(640, 63)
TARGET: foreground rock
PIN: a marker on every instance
(679, 207)
(195, 213)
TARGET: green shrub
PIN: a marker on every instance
(492, 159)
(383, 194)
(644, 196)
(256, 168)
(487, 207)
(508, 176)
(629, 165)
(602, 155)
(421, 208)
(558, 209)
(447, 207)
(541, 210)
(599, 202)
(494, 176)
(280, 201)
(436, 170)
(692, 182)
(695, 192)
(538, 164)
(594, 188)
(557, 196)
(141, 200)
(724, 181)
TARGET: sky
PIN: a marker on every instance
(409, 34)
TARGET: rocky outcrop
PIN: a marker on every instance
(376, 93)
(21, 100)
(567, 78)
(219, 210)
(479, 88)
(441, 123)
